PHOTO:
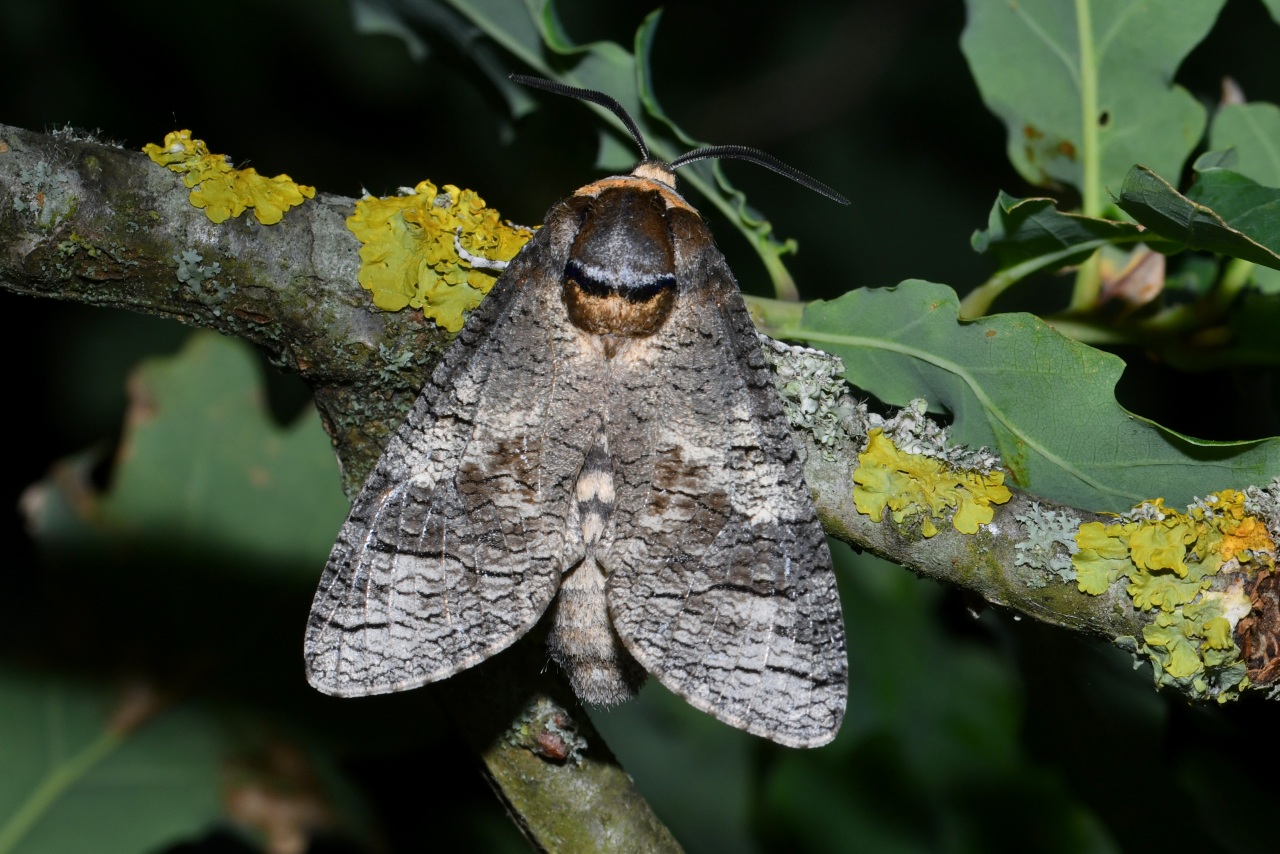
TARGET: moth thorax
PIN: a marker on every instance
(620, 276)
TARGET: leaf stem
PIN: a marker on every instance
(978, 301)
(1088, 280)
(1234, 279)
(55, 783)
(1089, 332)
(1090, 156)
(771, 316)
(784, 285)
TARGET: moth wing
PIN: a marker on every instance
(720, 579)
(454, 547)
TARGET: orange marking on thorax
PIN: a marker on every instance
(668, 194)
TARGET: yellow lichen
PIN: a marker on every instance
(912, 485)
(222, 191)
(1217, 633)
(1239, 536)
(1162, 590)
(1169, 560)
(1103, 556)
(409, 258)
(1245, 539)
(1163, 544)
(1194, 647)
(1171, 636)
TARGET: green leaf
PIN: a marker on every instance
(1253, 132)
(1195, 274)
(1084, 88)
(1027, 236)
(1034, 230)
(1045, 403)
(1273, 6)
(1246, 205)
(375, 17)
(203, 465)
(88, 771)
(1225, 213)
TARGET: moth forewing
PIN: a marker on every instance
(722, 585)
(604, 426)
(449, 553)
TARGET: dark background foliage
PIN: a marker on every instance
(963, 734)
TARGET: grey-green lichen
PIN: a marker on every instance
(1050, 543)
(816, 399)
(46, 195)
(1264, 503)
(393, 362)
(70, 133)
(1147, 511)
(77, 255)
(201, 280)
(814, 394)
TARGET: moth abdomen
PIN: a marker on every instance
(584, 644)
(582, 639)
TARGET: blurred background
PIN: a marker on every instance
(142, 597)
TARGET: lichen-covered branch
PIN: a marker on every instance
(1192, 593)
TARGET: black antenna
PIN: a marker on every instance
(758, 157)
(737, 152)
(610, 104)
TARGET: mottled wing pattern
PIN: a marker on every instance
(720, 579)
(454, 547)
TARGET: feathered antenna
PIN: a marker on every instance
(736, 152)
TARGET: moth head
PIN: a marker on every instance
(621, 277)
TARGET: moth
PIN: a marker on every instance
(604, 439)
